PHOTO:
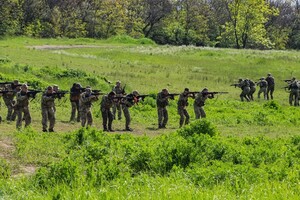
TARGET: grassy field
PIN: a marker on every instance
(239, 148)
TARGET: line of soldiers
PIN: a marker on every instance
(248, 87)
(17, 99)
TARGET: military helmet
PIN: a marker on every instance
(135, 93)
(269, 74)
(205, 90)
(262, 78)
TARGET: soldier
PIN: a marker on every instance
(245, 86)
(75, 92)
(181, 107)
(252, 89)
(162, 101)
(107, 116)
(200, 102)
(263, 84)
(271, 86)
(85, 104)
(117, 106)
(128, 102)
(9, 100)
(22, 107)
(48, 109)
(294, 87)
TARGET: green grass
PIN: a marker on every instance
(252, 153)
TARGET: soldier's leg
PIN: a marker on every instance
(104, 119)
(265, 93)
(197, 111)
(89, 118)
(27, 116)
(166, 117)
(127, 117)
(187, 116)
(83, 116)
(14, 114)
(9, 110)
(160, 116)
(78, 111)
(296, 103)
(19, 118)
(110, 120)
(181, 120)
(291, 98)
(202, 112)
(119, 108)
(44, 119)
(271, 91)
(114, 108)
(51, 116)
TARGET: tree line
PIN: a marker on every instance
(262, 24)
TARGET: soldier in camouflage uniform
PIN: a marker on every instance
(48, 109)
(9, 100)
(85, 104)
(200, 102)
(107, 116)
(75, 92)
(117, 106)
(271, 85)
(252, 89)
(128, 102)
(181, 107)
(294, 87)
(245, 86)
(22, 107)
(162, 101)
(263, 84)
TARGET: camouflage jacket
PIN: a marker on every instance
(200, 99)
(270, 80)
(106, 102)
(86, 100)
(22, 99)
(262, 83)
(182, 101)
(118, 90)
(162, 100)
(47, 101)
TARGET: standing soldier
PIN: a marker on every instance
(200, 102)
(162, 101)
(85, 104)
(294, 87)
(245, 86)
(48, 109)
(22, 107)
(75, 92)
(252, 89)
(128, 102)
(181, 107)
(271, 85)
(119, 93)
(9, 100)
(107, 116)
(263, 84)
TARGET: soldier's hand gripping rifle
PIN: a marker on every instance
(287, 80)
(216, 93)
(60, 94)
(235, 85)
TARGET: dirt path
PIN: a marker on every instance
(7, 150)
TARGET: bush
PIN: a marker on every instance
(5, 170)
(202, 126)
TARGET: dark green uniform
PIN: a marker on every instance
(199, 104)
(161, 102)
(271, 86)
(128, 102)
(22, 107)
(263, 85)
(107, 116)
(48, 111)
(181, 108)
(85, 104)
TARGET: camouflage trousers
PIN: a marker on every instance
(48, 114)
(252, 91)
(199, 112)
(245, 94)
(75, 107)
(264, 91)
(163, 117)
(126, 115)
(184, 116)
(86, 116)
(117, 107)
(294, 96)
(107, 118)
(26, 116)
(11, 113)
(270, 91)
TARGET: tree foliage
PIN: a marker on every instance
(224, 23)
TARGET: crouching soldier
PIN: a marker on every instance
(85, 104)
(48, 109)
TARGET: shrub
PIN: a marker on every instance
(202, 126)
(5, 170)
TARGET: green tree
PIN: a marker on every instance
(246, 25)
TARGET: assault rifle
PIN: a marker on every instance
(235, 84)
(5, 91)
(172, 95)
(97, 92)
(214, 93)
(81, 90)
(32, 93)
(59, 94)
(287, 80)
